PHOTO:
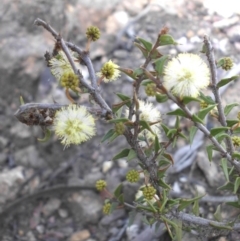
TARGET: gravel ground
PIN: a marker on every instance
(28, 166)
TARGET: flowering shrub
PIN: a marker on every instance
(180, 80)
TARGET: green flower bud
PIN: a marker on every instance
(236, 140)
(69, 80)
(109, 72)
(203, 105)
(150, 89)
(107, 208)
(100, 185)
(119, 128)
(93, 33)
(132, 176)
(149, 192)
(225, 63)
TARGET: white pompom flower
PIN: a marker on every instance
(74, 125)
(59, 64)
(109, 72)
(149, 114)
(186, 75)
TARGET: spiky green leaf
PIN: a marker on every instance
(121, 154)
(166, 39)
(161, 98)
(145, 43)
(210, 152)
(218, 130)
(156, 145)
(223, 82)
(143, 50)
(217, 215)
(193, 131)
(236, 185)
(131, 155)
(229, 107)
(188, 99)
(118, 191)
(108, 135)
(178, 112)
(203, 112)
(159, 64)
(225, 168)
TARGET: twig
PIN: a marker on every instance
(38, 113)
(213, 68)
(192, 220)
(40, 22)
(211, 199)
(93, 90)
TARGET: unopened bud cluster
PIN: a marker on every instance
(149, 192)
(101, 185)
(109, 72)
(203, 105)
(150, 89)
(236, 140)
(69, 80)
(119, 128)
(107, 208)
(227, 63)
(93, 33)
(132, 176)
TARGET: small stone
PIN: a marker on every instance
(40, 229)
(225, 23)
(28, 156)
(120, 54)
(116, 21)
(80, 236)
(67, 231)
(200, 189)
(113, 231)
(117, 214)
(122, 163)
(20, 232)
(63, 213)
(52, 205)
(86, 206)
(107, 166)
(3, 142)
(21, 130)
(3, 158)
(30, 236)
(195, 39)
(190, 34)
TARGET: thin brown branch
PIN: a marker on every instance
(215, 89)
(93, 90)
(41, 112)
(40, 22)
(192, 220)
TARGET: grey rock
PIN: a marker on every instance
(86, 206)
(28, 156)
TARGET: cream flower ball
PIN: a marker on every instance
(73, 125)
(186, 75)
(150, 114)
